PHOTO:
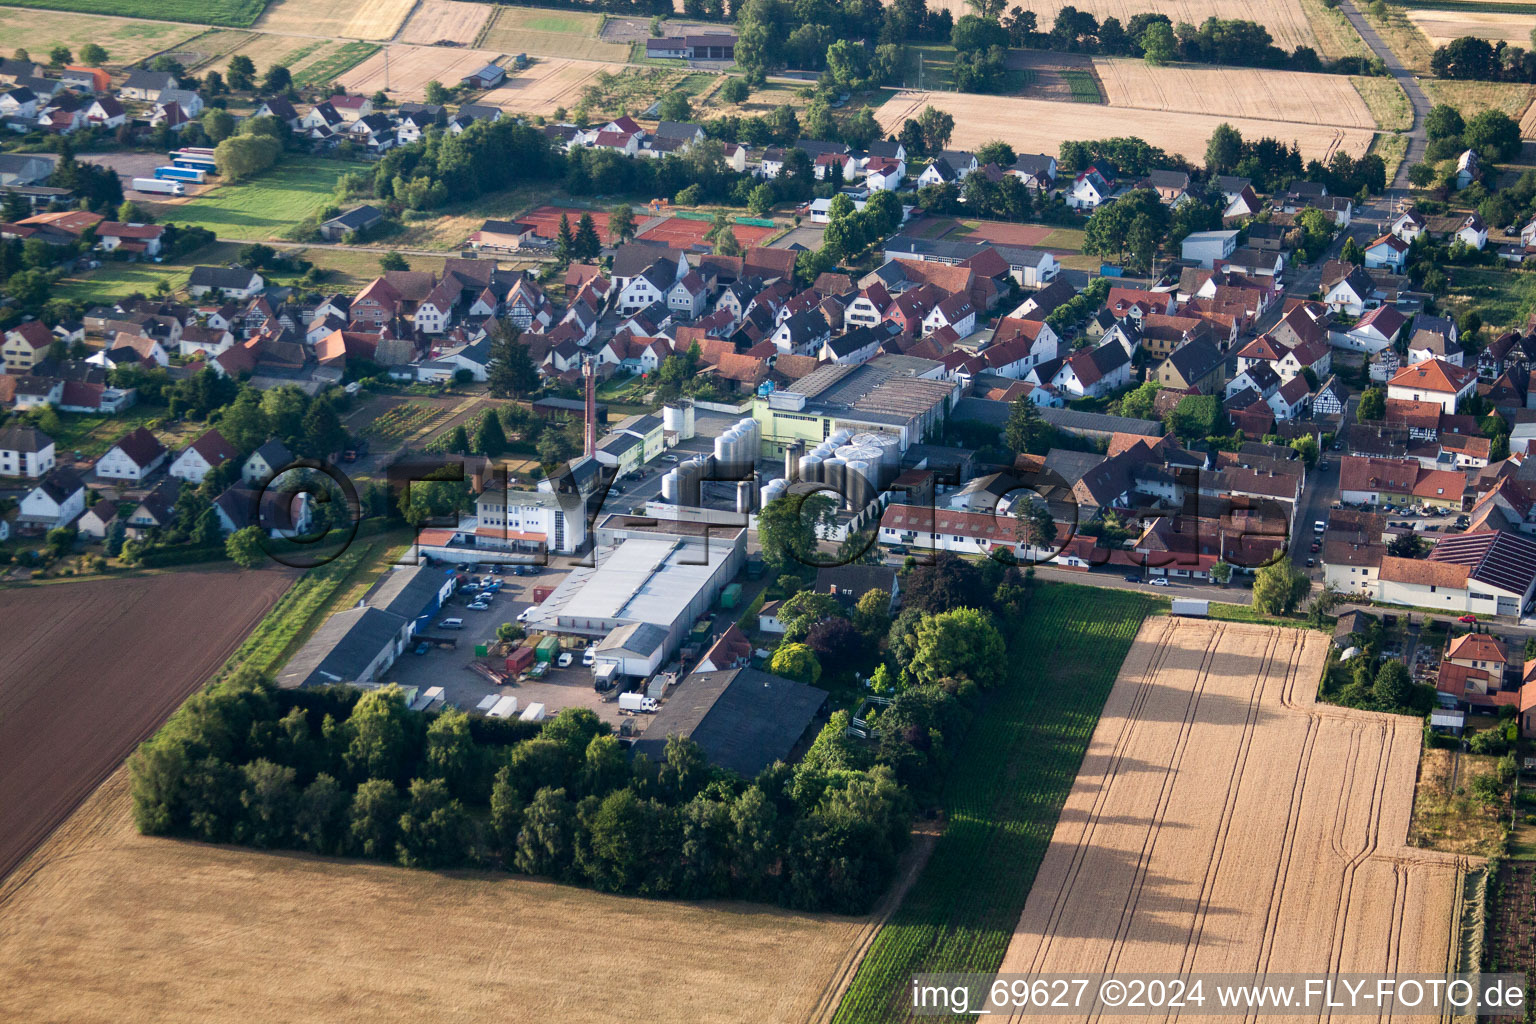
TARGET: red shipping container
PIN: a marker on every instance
(519, 660)
(540, 593)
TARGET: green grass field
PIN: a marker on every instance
(263, 207)
(91, 436)
(1003, 797)
(200, 12)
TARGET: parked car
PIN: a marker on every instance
(423, 647)
(480, 606)
(1132, 577)
(1467, 618)
(565, 659)
(451, 624)
(669, 458)
(1160, 581)
(589, 656)
(522, 616)
(1311, 562)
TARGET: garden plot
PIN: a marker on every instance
(551, 33)
(1224, 822)
(126, 40)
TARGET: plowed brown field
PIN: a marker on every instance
(93, 667)
(1224, 822)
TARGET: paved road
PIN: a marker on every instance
(1417, 140)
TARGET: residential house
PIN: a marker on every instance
(198, 458)
(25, 451)
(1204, 248)
(1094, 372)
(1388, 252)
(146, 86)
(1376, 330)
(138, 239)
(1196, 366)
(1433, 380)
(232, 282)
(134, 457)
(262, 465)
(56, 501)
(1352, 294)
(25, 346)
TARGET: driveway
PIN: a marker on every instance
(1417, 140)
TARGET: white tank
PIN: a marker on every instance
(745, 492)
(774, 490)
(670, 489)
(679, 420)
(792, 455)
(890, 451)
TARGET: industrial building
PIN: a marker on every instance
(664, 573)
(743, 719)
(901, 395)
(360, 643)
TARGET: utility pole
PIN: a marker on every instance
(386, 67)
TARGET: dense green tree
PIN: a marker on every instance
(93, 54)
(374, 818)
(1278, 588)
(586, 245)
(377, 735)
(546, 840)
(269, 797)
(490, 439)
(789, 528)
(1373, 405)
(511, 372)
(1443, 121)
(435, 830)
(320, 816)
(621, 223)
(1393, 686)
(246, 547)
(960, 642)
(1026, 431)
(241, 73)
(674, 106)
(393, 261)
(795, 661)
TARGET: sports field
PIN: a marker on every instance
(1442, 26)
(550, 33)
(93, 667)
(198, 12)
(453, 21)
(1041, 126)
(682, 232)
(105, 926)
(350, 19)
(546, 220)
(1287, 23)
(1293, 96)
(1224, 822)
(262, 208)
(547, 85)
(410, 68)
(126, 40)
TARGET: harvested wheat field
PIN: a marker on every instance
(1041, 126)
(105, 925)
(126, 40)
(412, 67)
(1287, 24)
(350, 19)
(1440, 27)
(92, 667)
(1238, 92)
(445, 21)
(547, 85)
(1223, 822)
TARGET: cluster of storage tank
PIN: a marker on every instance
(734, 458)
(856, 466)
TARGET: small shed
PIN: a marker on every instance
(487, 77)
(1451, 721)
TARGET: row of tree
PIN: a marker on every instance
(336, 771)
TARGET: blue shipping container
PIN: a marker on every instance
(180, 174)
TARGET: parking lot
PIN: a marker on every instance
(464, 688)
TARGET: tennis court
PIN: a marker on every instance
(546, 221)
(683, 232)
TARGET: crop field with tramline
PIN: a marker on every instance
(1225, 822)
(403, 421)
(1003, 797)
